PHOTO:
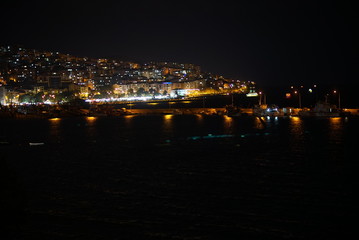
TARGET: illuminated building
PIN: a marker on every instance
(22, 68)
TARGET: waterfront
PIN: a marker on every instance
(226, 104)
(180, 177)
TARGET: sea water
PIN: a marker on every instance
(179, 177)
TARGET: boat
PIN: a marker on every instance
(321, 109)
(36, 144)
(265, 110)
(3, 141)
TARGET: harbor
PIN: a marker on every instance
(185, 176)
(215, 106)
(112, 110)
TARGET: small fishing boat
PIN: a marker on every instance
(36, 143)
(264, 110)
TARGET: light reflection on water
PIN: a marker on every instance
(294, 171)
(54, 119)
(168, 123)
(54, 126)
(129, 119)
(129, 116)
(259, 123)
(336, 125)
(171, 124)
(296, 136)
(199, 118)
(228, 124)
(296, 125)
(91, 127)
(91, 120)
(168, 117)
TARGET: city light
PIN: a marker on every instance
(129, 116)
(55, 119)
(108, 80)
(168, 116)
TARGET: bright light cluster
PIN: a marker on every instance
(126, 99)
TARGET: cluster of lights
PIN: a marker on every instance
(126, 99)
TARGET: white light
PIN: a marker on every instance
(253, 94)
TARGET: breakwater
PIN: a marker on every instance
(111, 110)
(183, 111)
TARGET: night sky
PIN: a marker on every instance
(269, 42)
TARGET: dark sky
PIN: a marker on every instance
(269, 42)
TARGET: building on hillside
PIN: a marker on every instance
(2, 95)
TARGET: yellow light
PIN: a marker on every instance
(295, 119)
(91, 118)
(335, 124)
(152, 103)
(259, 124)
(228, 120)
(168, 116)
(129, 116)
(335, 119)
(55, 119)
(186, 101)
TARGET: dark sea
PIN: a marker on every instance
(179, 177)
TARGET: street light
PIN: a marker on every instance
(264, 98)
(335, 92)
(299, 98)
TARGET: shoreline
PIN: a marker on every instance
(153, 111)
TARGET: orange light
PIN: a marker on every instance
(295, 119)
(55, 119)
(168, 116)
